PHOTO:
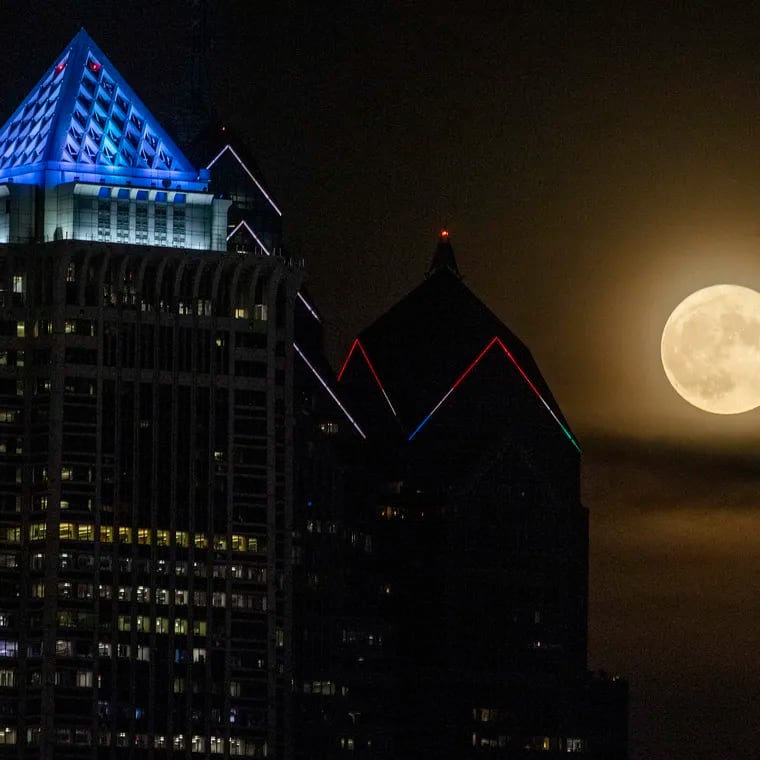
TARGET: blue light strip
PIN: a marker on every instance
(497, 341)
(434, 410)
(329, 390)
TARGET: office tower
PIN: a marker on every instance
(447, 564)
(146, 374)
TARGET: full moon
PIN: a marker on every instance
(711, 349)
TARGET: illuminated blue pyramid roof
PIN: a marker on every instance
(83, 122)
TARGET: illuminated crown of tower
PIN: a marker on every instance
(83, 122)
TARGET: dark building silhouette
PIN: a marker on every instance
(446, 556)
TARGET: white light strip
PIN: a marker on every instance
(329, 390)
(311, 309)
(243, 223)
(247, 171)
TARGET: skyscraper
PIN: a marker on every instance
(449, 587)
(146, 370)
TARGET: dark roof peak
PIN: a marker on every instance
(443, 258)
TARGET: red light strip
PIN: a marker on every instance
(356, 343)
(496, 340)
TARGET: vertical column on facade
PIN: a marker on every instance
(230, 459)
(288, 359)
(24, 495)
(100, 307)
(192, 495)
(53, 517)
(156, 474)
(214, 330)
(273, 560)
(173, 501)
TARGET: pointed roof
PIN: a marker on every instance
(443, 258)
(456, 380)
(83, 119)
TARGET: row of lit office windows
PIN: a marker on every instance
(107, 534)
(162, 596)
(535, 743)
(10, 560)
(68, 648)
(83, 737)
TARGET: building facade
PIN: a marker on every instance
(444, 594)
(146, 374)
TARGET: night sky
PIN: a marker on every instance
(594, 165)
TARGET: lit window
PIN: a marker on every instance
(180, 625)
(143, 624)
(260, 312)
(84, 678)
(199, 654)
(7, 679)
(199, 627)
(181, 596)
(86, 532)
(181, 538)
(143, 536)
(18, 283)
(68, 530)
(13, 535)
(104, 649)
(200, 539)
(8, 648)
(125, 535)
(106, 534)
(143, 653)
(162, 537)
(241, 313)
(162, 625)
(217, 745)
(7, 735)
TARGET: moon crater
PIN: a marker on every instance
(711, 349)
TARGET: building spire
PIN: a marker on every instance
(443, 258)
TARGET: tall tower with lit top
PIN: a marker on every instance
(146, 377)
